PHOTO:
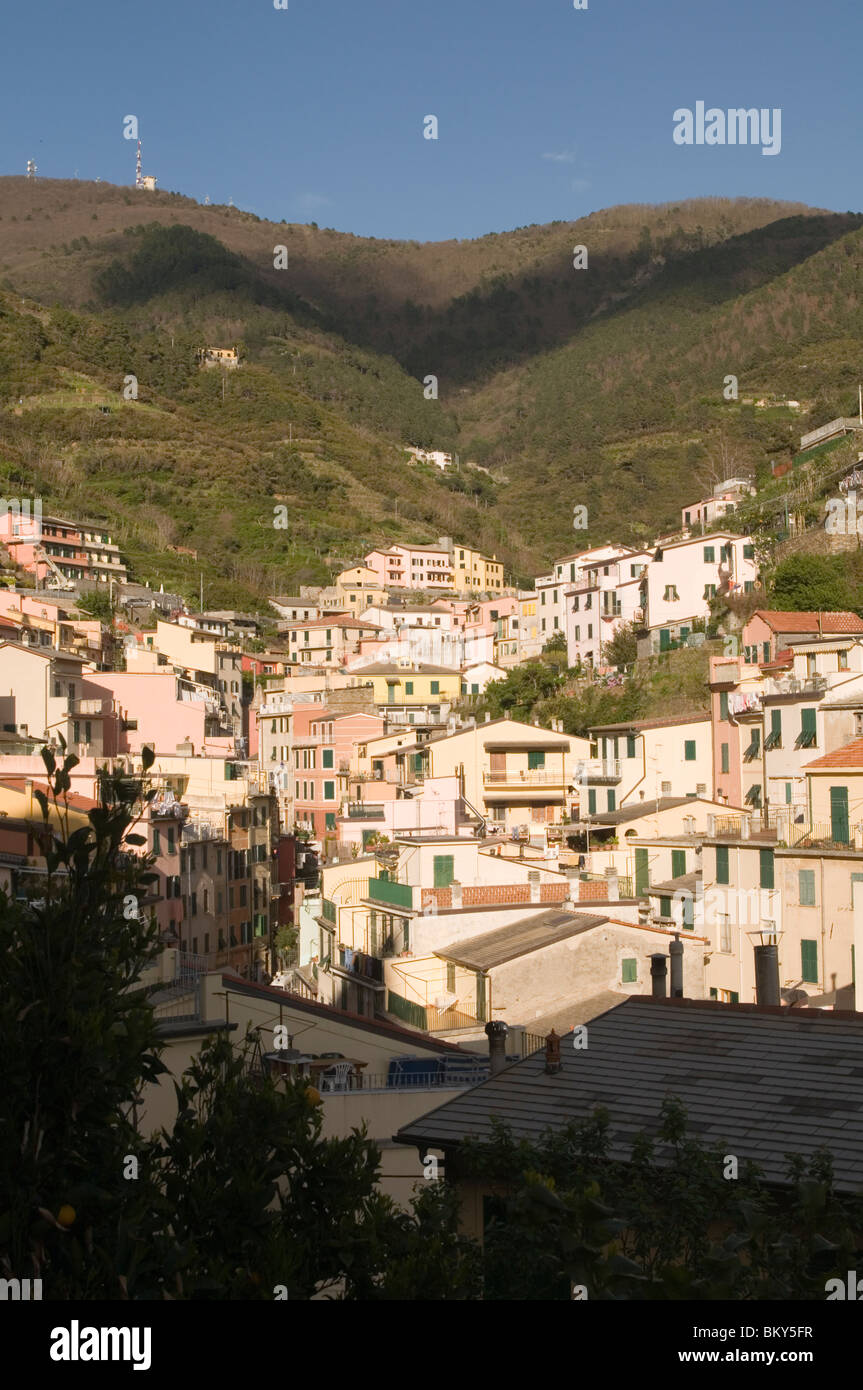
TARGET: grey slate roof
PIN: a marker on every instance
(763, 1082)
(686, 883)
(642, 808)
(519, 938)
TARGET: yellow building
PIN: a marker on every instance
(413, 684)
(514, 774)
(475, 573)
(358, 588)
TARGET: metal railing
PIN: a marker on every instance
(534, 777)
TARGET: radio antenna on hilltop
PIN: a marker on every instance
(31, 169)
(139, 177)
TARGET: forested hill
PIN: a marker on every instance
(601, 386)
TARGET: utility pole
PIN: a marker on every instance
(202, 592)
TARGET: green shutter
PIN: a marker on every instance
(806, 887)
(330, 820)
(664, 639)
(839, 815)
(612, 800)
(642, 873)
(722, 864)
(409, 687)
(328, 754)
(329, 791)
(535, 759)
(689, 750)
(765, 864)
(678, 863)
(723, 704)
(630, 745)
(809, 962)
(443, 870)
(725, 756)
(435, 687)
(665, 907)
(629, 971)
(591, 800)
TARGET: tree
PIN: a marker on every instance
(241, 1194)
(622, 649)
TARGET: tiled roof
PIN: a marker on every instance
(520, 938)
(849, 755)
(668, 722)
(762, 1082)
(810, 622)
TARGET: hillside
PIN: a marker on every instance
(601, 387)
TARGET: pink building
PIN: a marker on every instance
(412, 566)
(323, 742)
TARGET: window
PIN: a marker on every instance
(330, 820)
(765, 866)
(409, 687)
(443, 870)
(842, 659)
(809, 962)
(591, 801)
(329, 791)
(722, 864)
(774, 738)
(630, 745)
(724, 757)
(535, 759)
(709, 555)
(724, 932)
(629, 971)
(435, 687)
(709, 591)
(665, 907)
(723, 704)
(612, 801)
(689, 750)
(327, 759)
(808, 731)
(749, 552)
(678, 863)
(806, 887)
(671, 593)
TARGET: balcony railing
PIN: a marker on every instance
(535, 777)
(599, 770)
(385, 890)
(363, 810)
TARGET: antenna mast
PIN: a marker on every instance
(139, 177)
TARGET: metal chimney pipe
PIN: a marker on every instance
(767, 975)
(496, 1034)
(675, 951)
(658, 966)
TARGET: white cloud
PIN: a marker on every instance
(563, 157)
(580, 185)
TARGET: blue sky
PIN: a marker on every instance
(315, 113)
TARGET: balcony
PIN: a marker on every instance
(363, 810)
(517, 777)
(599, 771)
(385, 890)
(90, 707)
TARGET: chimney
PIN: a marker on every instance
(767, 974)
(552, 1054)
(675, 951)
(496, 1034)
(535, 889)
(711, 825)
(455, 894)
(658, 964)
(612, 883)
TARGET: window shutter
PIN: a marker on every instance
(809, 961)
(721, 863)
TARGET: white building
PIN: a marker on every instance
(681, 578)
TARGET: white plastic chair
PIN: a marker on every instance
(337, 1077)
